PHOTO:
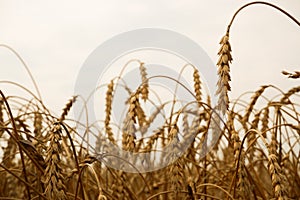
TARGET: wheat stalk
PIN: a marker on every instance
(26, 126)
(1, 117)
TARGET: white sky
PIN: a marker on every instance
(55, 37)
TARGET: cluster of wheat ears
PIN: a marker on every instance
(256, 155)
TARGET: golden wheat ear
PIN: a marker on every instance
(108, 107)
(67, 108)
(223, 86)
(197, 86)
(145, 82)
(53, 175)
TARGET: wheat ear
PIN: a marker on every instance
(223, 64)
(67, 108)
(254, 98)
(197, 86)
(53, 176)
(108, 107)
(276, 178)
(145, 82)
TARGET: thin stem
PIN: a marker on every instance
(263, 3)
(26, 67)
(16, 138)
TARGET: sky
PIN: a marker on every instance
(55, 38)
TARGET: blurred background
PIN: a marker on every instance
(55, 38)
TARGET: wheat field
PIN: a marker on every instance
(256, 155)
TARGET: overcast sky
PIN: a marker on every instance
(55, 38)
